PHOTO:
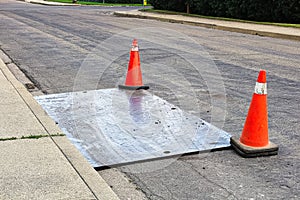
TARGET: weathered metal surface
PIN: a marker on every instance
(112, 126)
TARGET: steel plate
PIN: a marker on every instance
(113, 127)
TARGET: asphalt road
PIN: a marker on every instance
(59, 49)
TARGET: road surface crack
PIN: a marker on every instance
(211, 181)
(144, 188)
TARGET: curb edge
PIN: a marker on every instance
(212, 26)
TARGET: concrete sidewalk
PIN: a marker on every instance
(240, 27)
(37, 160)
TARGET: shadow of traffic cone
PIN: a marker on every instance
(254, 140)
(134, 74)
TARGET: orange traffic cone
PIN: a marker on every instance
(134, 74)
(254, 140)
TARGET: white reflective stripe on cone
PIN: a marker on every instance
(260, 88)
(135, 49)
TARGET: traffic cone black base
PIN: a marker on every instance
(125, 87)
(250, 152)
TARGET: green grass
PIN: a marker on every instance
(32, 137)
(5, 139)
(221, 18)
(93, 3)
(41, 136)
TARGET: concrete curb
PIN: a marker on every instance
(90, 177)
(167, 18)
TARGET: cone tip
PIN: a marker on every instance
(262, 77)
(134, 42)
